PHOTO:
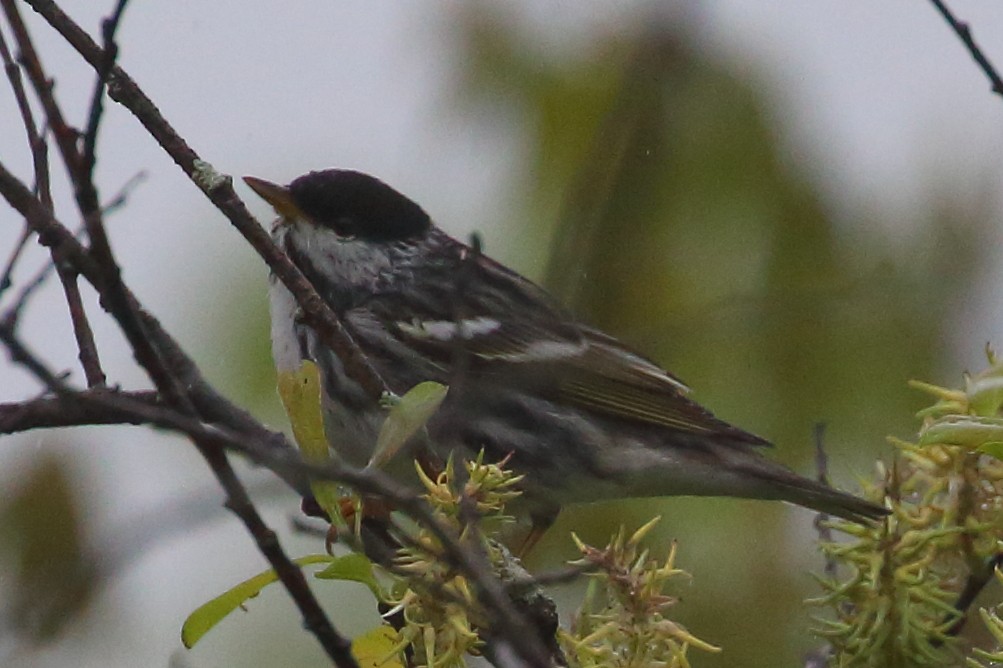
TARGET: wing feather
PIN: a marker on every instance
(513, 330)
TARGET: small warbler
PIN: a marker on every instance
(581, 416)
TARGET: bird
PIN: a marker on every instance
(579, 415)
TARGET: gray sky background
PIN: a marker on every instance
(874, 93)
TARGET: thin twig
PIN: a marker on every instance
(316, 312)
(219, 190)
(36, 143)
(469, 261)
(13, 312)
(119, 199)
(315, 620)
(87, 350)
(964, 33)
(285, 461)
(819, 657)
(974, 584)
(66, 136)
(39, 155)
(7, 275)
(124, 308)
(86, 195)
(108, 28)
(251, 439)
(822, 475)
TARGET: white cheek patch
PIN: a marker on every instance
(345, 260)
(446, 330)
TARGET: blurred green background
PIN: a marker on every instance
(654, 194)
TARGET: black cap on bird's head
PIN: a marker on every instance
(350, 203)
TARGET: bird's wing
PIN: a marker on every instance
(476, 308)
(506, 325)
(612, 379)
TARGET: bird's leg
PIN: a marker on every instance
(540, 523)
(350, 508)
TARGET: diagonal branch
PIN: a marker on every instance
(87, 350)
(52, 234)
(108, 29)
(65, 135)
(287, 463)
(315, 620)
(964, 33)
(269, 449)
(123, 305)
(36, 144)
(219, 190)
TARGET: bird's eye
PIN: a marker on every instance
(345, 227)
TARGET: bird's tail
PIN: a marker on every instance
(808, 493)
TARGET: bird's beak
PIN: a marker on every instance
(276, 195)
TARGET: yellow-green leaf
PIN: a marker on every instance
(376, 649)
(301, 394)
(985, 391)
(409, 414)
(993, 448)
(353, 567)
(964, 430)
(209, 614)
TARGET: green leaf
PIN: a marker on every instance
(375, 649)
(985, 391)
(409, 414)
(301, 394)
(209, 614)
(993, 448)
(353, 568)
(964, 430)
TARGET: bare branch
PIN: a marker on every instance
(191, 406)
(7, 276)
(108, 28)
(125, 308)
(287, 463)
(822, 475)
(62, 411)
(964, 33)
(87, 350)
(974, 584)
(119, 199)
(66, 136)
(219, 190)
(36, 143)
(315, 620)
(13, 313)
